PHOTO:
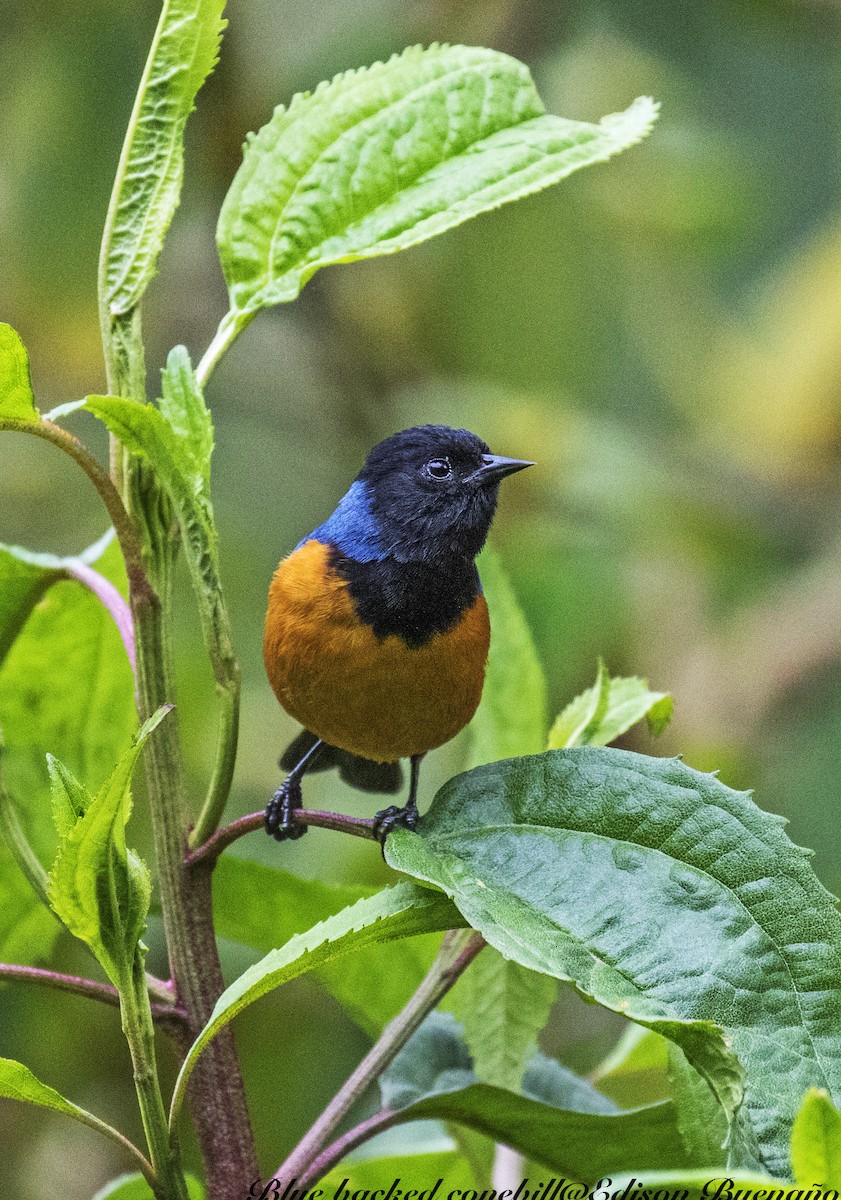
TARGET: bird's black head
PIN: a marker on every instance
(432, 491)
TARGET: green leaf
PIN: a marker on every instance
(700, 1119)
(67, 686)
(664, 895)
(70, 799)
(18, 1083)
(146, 194)
(177, 439)
(385, 157)
(17, 402)
(264, 906)
(422, 1170)
(608, 709)
(395, 912)
(581, 1145)
(503, 1007)
(135, 1187)
(99, 888)
(511, 718)
(548, 1081)
(816, 1142)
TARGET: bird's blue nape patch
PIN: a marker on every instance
(352, 527)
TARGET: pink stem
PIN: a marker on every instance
(105, 591)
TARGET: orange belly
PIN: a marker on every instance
(373, 696)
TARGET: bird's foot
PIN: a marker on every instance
(393, 817)
(281, 822)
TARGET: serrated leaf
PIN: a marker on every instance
(65, 685)
(395, 912)
(610, 708)
(183, 53)
(663, 894)
(385, 157)
(264, 906)
(177, 440)
(99, 888)
(17, 401)
(816, 1142)
(70, 799)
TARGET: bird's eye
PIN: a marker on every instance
(438, 468)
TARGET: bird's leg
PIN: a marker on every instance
(280, 811)
(406, 817)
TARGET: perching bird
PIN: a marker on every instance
(377, 631)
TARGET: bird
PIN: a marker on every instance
(377, 631)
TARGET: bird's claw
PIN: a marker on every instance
(388, 819)
(281, 822)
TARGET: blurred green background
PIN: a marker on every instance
(662, 334)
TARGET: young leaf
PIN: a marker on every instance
(18, 1083)
(608, 709)
(17, 402)
(396, 912)
(664, 895)
(98, 887)
(264, 906)
(386, 157)
(816, 1142)
(148, 186)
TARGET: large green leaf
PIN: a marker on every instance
(701, 1121)
(396, 912)
(146, 194)
(99, 888)
(264, 906)
(65, 686)
(17, 401)
(664, 895)
(816, 1142)
(383, 158)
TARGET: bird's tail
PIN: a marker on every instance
(360, 773)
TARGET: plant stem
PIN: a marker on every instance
(230, 327)
(458, 949)
(91, 988)
(223, 769)
(140, 1035)
(130, 545)
(213, 847)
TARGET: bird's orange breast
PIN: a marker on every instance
(377, 697)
